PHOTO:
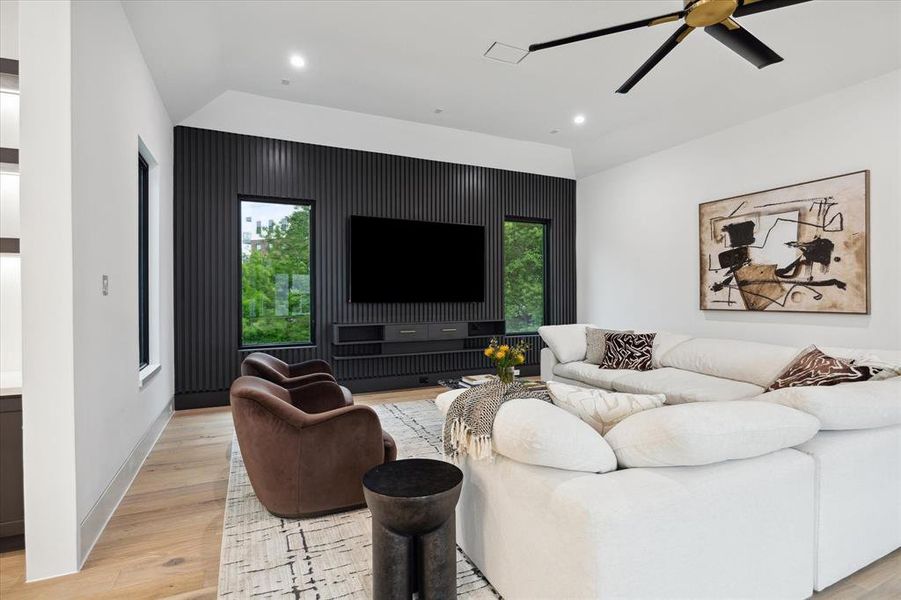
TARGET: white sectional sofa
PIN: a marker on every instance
(774, 526)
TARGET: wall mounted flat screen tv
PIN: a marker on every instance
(393, 260)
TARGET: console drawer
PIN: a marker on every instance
(406, 332)
(448, 331)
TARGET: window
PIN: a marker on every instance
(276, 292)
(525, 252)
(143, 263)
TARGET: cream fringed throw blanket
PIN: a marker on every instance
(470, 418)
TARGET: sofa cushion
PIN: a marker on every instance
(861, 405)
(665, 341)
(567, 342)
(859, 355)
(814, 368)
(599, 408)
(535, 432)
(628, 351)
(750, 362)
(590, 374)
(706, 433)
(684, 386)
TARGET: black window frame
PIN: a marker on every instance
(143, 262)
(313, 262)
(545, 254)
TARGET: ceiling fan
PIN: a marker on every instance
(717, 17)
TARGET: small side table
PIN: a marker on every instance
(414, 545)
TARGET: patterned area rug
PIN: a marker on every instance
(264, 556)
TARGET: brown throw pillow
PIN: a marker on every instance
(628, 351)
(812, 367)
(594, 339)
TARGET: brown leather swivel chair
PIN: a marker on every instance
(270, 368)
(305, 449)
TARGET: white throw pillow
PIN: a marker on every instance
(599, 408)
(567, 342)
(703, 433)
(535, 432)
(858, 405)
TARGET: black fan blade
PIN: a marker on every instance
(607, 31)
(742, 42)
(649, 64)
(749, 7)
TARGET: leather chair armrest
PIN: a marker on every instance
(352, 433)
(318, 397)
(309, 367)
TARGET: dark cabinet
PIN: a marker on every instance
(12, 503)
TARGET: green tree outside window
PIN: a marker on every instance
(276, 303)
(524, 271)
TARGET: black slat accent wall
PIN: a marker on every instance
(213, 168)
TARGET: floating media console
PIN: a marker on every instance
(382, 340)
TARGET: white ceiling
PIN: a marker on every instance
(404, 59)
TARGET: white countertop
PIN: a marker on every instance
(10, 383)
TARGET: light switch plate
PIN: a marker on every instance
(106, 285)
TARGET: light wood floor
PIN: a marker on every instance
(163, 541)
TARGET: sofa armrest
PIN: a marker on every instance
(548, 362)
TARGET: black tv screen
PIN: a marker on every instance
(393, 260)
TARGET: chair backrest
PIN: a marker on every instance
(270, 368)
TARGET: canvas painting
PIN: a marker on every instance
(799, 248)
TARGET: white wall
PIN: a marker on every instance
(638, 233)
(115, 108)
(48, 361)
(249, 114)
(9, 29)
(89, 424)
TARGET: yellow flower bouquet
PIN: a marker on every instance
(505, 357)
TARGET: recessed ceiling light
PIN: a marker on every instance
(297, 61)
(579, 119)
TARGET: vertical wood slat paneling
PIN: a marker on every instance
(214, 168)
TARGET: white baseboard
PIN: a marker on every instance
(99, 515)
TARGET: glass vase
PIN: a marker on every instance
(505, 374)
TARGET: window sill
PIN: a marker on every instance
(287, 346)
(146, 373)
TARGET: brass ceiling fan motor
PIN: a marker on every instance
(704, 13)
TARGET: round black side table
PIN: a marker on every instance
(414, 542)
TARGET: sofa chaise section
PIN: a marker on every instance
(741, 528)
(857, 507)
(858, 513)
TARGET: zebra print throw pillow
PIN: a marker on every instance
(594, 339)
(812, 367)
(628, 351)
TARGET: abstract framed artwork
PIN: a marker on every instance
(798, 248)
